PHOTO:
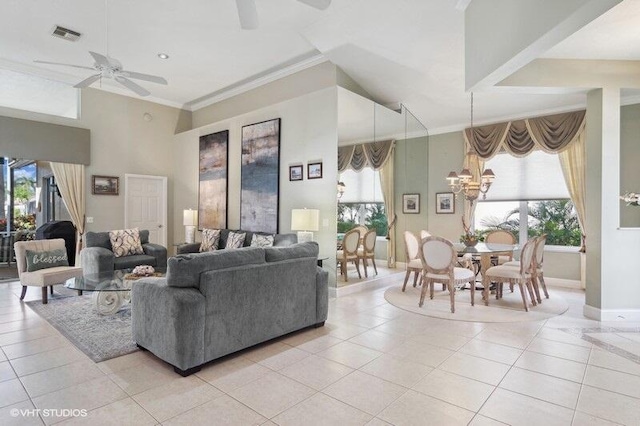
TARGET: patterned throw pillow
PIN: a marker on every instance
(210, 240)
(125, 242)
(262, 240)
(235, 240)
(37, 260)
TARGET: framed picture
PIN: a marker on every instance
(212, 180)
(104, 185)
(260, 177)
(410, 203)
(445, 203)
(296, 172)
(314, 170)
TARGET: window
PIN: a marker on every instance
(529, 198)
(362, 202)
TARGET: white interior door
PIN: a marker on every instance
(146, 205)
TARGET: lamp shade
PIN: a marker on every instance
(305, 219)
(190, 217)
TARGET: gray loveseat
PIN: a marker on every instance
(97, 254)
(216, 303)
(279, 240)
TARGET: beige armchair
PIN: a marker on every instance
(42, 277)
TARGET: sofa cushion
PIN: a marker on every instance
(235, 240)
(259, 240)
(125, 242)
(37, 260)
(210, 240)
(101, 239)
(295, 251)
(132, 261)
(184, 270)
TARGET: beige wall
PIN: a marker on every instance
(308, 133)
(121, 142)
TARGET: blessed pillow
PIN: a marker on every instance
(262, 240)
(125, 242)
(37, 260)
(235, 240)
(210, 240)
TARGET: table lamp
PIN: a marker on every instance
(190, 220)
(305, 221)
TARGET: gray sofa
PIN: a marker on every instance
(279, 240)
(216, 303)
(97, 254)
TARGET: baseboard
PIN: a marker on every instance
(364, 285)
(563, 283)
(611, 314)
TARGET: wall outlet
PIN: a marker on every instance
(90, 219)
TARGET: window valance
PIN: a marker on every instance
(551, 134)
(357, 157)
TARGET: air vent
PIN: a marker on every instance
(65, 33)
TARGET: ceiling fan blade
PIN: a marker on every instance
(66, 65)
(132, 86)
(100, 59)
(88, 81)
(248, 14)
(145, 77)
(318, 4)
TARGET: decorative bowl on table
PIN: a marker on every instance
(141, 271)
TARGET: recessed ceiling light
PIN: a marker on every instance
(163, 56)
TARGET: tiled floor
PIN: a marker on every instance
(371, 364)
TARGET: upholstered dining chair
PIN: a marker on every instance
(31, 271)
(439, 258)
(538, 273)
(368, 251)
(424, 234)
(412, 258)
(501, 236)
(349, 252)
(520, 275)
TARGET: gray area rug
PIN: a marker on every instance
(99, 337)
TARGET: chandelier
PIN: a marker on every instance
(464, 182)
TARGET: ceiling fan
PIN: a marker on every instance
(108, 67)
(249, 14)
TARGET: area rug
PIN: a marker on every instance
(100, 337)
(507, 309)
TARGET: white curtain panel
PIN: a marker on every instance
(70, 181)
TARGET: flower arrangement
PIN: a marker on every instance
(143, 271)
(469, 238)
(631, 198)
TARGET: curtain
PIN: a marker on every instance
(573, 163)
(552, 134)
(70, 181)
(388, 194)
(372, 154)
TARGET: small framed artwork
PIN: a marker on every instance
(104, 185)
(314, 170)
(410, 203)
(445, 203)
(296, 172)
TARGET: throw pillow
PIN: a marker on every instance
(210, 240)
(125, 242)
(37, 260)
(262, 240)
(235, 240)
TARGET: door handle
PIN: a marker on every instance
(160, 226)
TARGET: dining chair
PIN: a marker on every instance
(520, 275)
(501, 236)
(349, 252)
(412, 258)
(368, 251)
(424, 234)
(537, 271)
(363, 231)
(439, 258)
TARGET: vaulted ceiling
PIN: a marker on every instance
(400, 51)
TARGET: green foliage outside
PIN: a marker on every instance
(375, 217)
(556, 218)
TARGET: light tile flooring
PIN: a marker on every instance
(371, 364)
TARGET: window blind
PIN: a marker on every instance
(537, 176)
(361, 187)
